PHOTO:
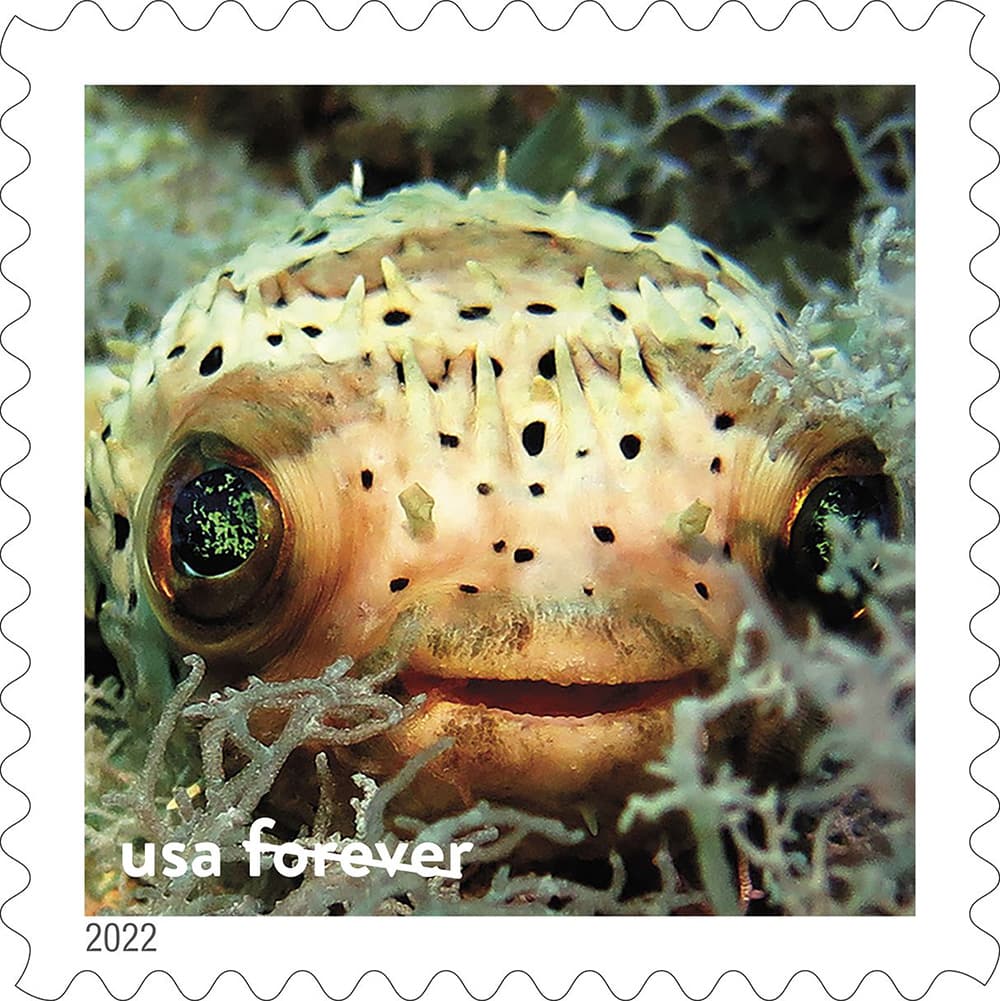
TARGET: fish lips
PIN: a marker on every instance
(543, 705)
(567, 643)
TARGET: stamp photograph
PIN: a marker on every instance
(527, 498)
(479, 505)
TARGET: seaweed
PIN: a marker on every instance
(226, 804)
(839, 839)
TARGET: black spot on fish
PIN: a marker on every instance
(630, 445)
(474, 312)
(212, 362)
(533, 437)
(122, 529)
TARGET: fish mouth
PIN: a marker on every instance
(496, 650)
(544, 699)
(542, 705)
(539, 746)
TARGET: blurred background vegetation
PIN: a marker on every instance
(776, 177)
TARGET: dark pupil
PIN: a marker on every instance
(213, 525)
(853, 500)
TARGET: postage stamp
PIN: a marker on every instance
(526, 484)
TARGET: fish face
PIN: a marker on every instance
(522, 451)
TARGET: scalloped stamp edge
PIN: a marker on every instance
(39, 68)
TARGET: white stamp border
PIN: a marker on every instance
(517, 46)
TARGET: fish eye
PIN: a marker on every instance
(854, 500)
(215, 535)
(214, 525)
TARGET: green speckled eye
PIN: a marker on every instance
(216, 533)
(855, 500)
(214, 526)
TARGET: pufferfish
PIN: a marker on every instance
(520, 444)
